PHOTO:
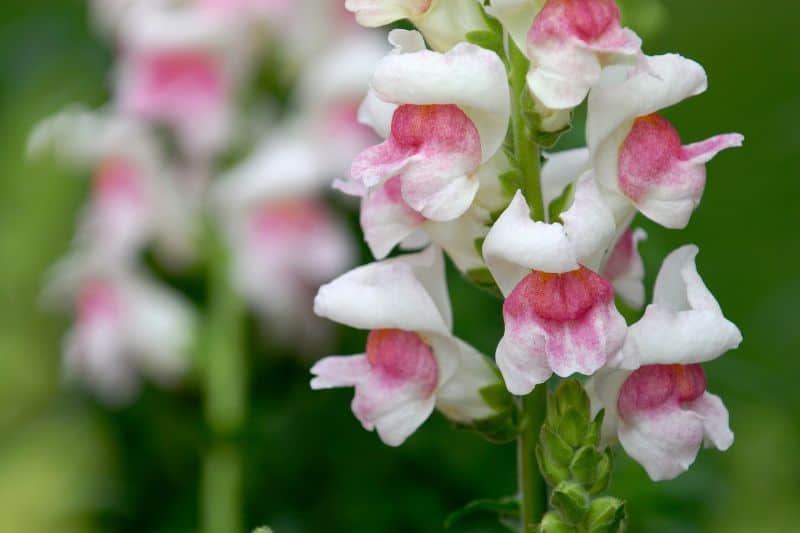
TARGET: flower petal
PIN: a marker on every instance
(718, 433)
(339, 371)
(386, 219)
(684, 324)
(624, 93)
(664, 442)
(589, 223)
(459, 396)
(407, 293)
(469, 76)
(516, 245)
(625, 269)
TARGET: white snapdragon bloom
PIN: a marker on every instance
(180, 66)
(637, 154)
(654, 395)
(285, 241)
(559, 313)
(135, 198)
(444, 23)
(569, 43)
(125, 326)
(452, 115)
(412, 363)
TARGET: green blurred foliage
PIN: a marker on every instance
(67, 464)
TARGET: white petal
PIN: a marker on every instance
(374, 13)
(560, 169)
(516, 245)
(395, 426)
(718, 433)
(516, 16)
(376, 113)
(459, 396)
(625, 92)
(339, 371)
(589, 223)
(407, 293)
(457, 238)
(603, 390)
(446, 24)
(469, 76)
(679, 286)
(665, 443)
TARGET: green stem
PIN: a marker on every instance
(526, 150)
(532, 490)
(225, 400)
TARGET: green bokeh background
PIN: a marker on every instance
(68, 464)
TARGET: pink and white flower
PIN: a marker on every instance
(126, 325)
(412, 364)
(452, 115)
(444, 23)
(180, 66)
(559, 313)
(661, 415)
(135, 199)
(285, 241)
(637, 154)
(654, 393)
(569, 43)
(516, 16)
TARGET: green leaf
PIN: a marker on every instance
(510, 181)
(487, 39)
(507, 506)
(571, 501)
(606, 515)
(483, 279)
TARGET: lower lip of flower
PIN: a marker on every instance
(401, 357)
(654, 386)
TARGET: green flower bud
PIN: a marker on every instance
(551, 523)
(602, 473)
(571, 500)
(606, 515)
(552, 472)
(555, 446)
(573, 426)
(583, 466)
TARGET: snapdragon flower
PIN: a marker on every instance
(654, 393)
(180, 66)
(452, 114)
(569, 43)
(413, 363)
(136, 199)
(285, 241)
(559, 312)
(636, 153)
(126, 325)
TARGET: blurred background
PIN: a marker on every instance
(69, 464)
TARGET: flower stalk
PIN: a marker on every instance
(225, 400)
(532, 490)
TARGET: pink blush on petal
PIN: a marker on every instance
(586, 20)
(97, 302)
(176, 85)
(288, 220)
(116, 182)
(423, 135)
(654, 386)
(559, 297)
(621, 257)
(401, 357)
(648, 155)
